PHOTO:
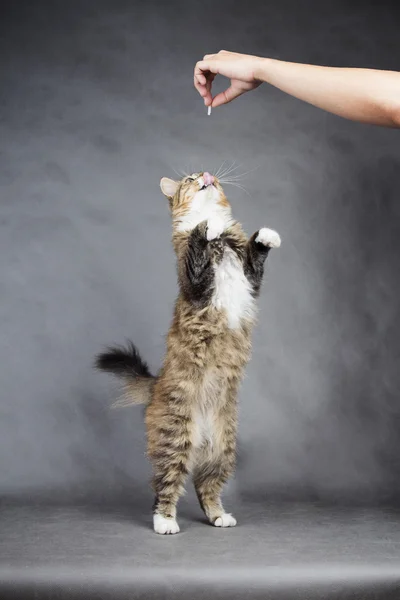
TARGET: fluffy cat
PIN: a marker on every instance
(191, 412)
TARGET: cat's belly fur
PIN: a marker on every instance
(208, 402)
(232, 290)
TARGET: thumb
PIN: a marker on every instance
(228, 95)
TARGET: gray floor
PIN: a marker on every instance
(283, 550)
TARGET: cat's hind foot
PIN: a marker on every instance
(164, 525)
(225, 520)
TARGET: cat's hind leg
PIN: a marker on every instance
(209, 480)
(169, 451)
(214, 466)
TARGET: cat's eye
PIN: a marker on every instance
(189, 180)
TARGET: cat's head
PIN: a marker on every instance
(195, 198)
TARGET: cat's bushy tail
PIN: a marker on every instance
(126, 363)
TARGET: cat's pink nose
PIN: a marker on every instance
(208, 179)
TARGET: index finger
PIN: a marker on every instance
(204, 91)
(202, 68)
(199, 76)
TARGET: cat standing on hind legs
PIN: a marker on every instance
(191, 412)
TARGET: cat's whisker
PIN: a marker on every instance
(229, 180)
(231, 170)
(225, 168)
(219, 170)
(234, 183)
(240, 175)
(177, 172)
(187, 169)
(232, 167)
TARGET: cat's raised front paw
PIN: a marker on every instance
(268, 237)
(215, 228)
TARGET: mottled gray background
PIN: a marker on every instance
(97, 104)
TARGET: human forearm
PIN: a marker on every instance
(364, 95)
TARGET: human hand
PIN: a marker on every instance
(241, 69)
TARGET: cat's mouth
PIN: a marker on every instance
(207, 180)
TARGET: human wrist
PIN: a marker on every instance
(260, 72)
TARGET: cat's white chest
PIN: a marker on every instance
(232, 291)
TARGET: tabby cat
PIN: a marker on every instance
(191, 412)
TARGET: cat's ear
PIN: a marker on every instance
(169, 187)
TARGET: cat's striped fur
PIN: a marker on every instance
(191, 412)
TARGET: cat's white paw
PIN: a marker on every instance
(225, 520)
(165, 526)
(215, 227)
(268, 237)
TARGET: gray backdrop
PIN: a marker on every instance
(97, 104)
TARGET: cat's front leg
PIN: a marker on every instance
(268, 238)
(215, 228)
(196, 272)
(215, 231)
(257, 250)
